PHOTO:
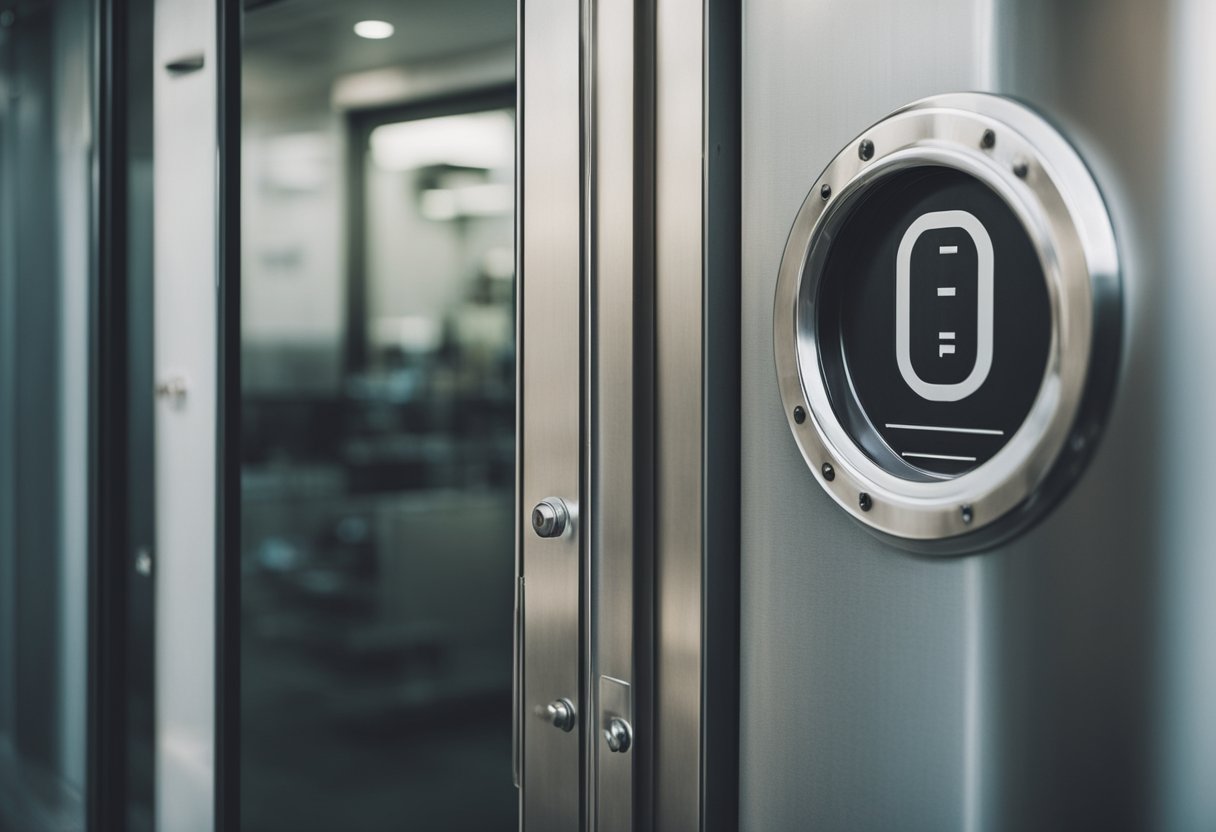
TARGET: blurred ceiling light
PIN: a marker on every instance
(374, 29)
(472, 140)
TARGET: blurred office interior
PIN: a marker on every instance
(378, 409)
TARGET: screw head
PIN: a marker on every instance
(863, 500)
(549, 517)
(618, 735)
(560, 714)
(1020, 168)
(988, 140)
(829, 473)
(799, 415)
(965, 512)
(866, 150)
(825, 191)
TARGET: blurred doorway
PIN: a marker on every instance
(378, 403)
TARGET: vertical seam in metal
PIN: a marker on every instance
(587, 9)
(518, 680)
(702, 480)
(720, 267)
(645, 483)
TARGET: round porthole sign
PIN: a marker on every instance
(947, 322)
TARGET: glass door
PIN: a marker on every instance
(377, 456)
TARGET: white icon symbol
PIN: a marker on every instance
(983, 310)
(945, 349)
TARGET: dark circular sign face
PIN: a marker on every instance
(934, 323)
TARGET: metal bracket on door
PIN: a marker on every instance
(614, 764)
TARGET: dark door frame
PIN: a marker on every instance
(228, 422)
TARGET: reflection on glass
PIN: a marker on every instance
(378, 460)
(45, 257)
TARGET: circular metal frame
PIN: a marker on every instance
(1040, 176)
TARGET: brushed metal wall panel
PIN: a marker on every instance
(1075, 667)
(1018, 688)
(856, 679)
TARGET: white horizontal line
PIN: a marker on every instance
(984, 431)
(945, 291)
(947, 249)
(945, 336)
(942, 456)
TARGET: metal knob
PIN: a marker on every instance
(619, 735)
(549, 517)
(560, 714)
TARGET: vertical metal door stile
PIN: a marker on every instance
(550, 286)
(612, 370)
(696, 336)
(679, 195)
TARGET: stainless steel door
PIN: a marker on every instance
(629, 320)
(586, 718)
(1056, 681)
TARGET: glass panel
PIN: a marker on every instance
(378, 418)
(46, 61)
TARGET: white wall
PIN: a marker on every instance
(185, 345)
